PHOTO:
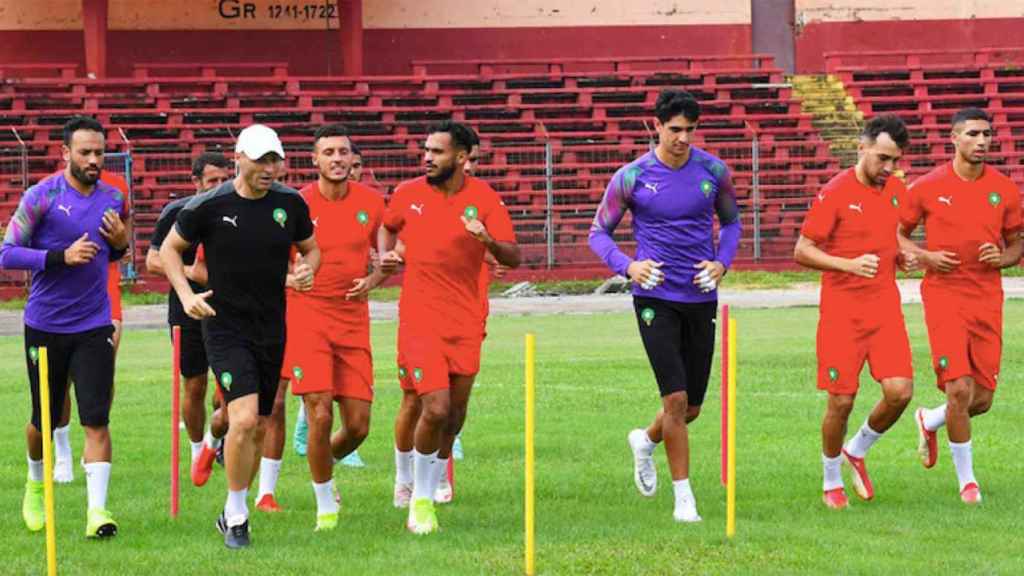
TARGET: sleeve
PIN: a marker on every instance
(394, 214)
(16, 252)
(499, 223)
(163, 227)
(200, 254)
(376, 220)
(610, 212)
(911, 207)
(729, 227)
(1012, 217)
(189, 221)
(303, 223)
(821, 218)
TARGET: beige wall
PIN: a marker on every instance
(852, 10)
(216, 14)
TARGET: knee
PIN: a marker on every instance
(692, 412)
(840, 405)
(319, 416)
(899, 394)
(195, 389)
(245, 424)
(436, 412)
(958, 394)
(97, 433)
(357, 428)
(676, 406)
(981, 403)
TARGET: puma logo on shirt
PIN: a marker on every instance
(233, 220)
(66, 209)
(947, 200)
(652, 187)
(418, 208)
(856, 207)
(316, 221)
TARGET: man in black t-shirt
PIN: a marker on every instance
(247, 227)
(209, 170)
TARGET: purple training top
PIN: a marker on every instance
(52, 215)
(672, 220)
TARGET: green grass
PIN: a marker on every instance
(594, 385)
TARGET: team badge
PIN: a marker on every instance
(297, 372)
(225, 380)
(402, 373)
(895, 202)
(994, 198)
(33, 354)
(706, 187)
(417, 374)
(470, 212)
(647, 315)
(280, 216)
(362, 217)
(833, 374)
(943, 362)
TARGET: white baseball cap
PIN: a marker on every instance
(256, 140)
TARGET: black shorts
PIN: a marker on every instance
(193, 353)
(85, 358)
(680, 341)
(243, 366)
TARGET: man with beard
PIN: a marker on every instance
(209, 170)
(448, 221)
(327, 356)
(972, 222)
(244, 307)
(849, 235)
(66, 230)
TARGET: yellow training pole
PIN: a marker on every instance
(530, 346)
(44, 409)
(730, 487)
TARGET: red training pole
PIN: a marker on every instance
(175, 418)
(725, 397)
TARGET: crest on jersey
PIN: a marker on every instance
(833, 374)
(994, 198)
(402, 373)
(706, 187)
(417, 374)
(33, 354)
(225, 380)
(895, 202)
(362, 217)
(470, 212)
(280, 216)
(943, 362)
(297, 372)
(647, 315)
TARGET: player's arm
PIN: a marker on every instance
(307, 262)
(506, 253)
(729, 230)
(197, 272)
(610, 212)
(807, 253)
(153, 264)
(17, 253)
(1001, 257)
(195, 305)
(116, 231)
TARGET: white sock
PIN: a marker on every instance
(963, 462)
(197, 447)
(269, 471)
(934, 418)
(97, 477)
(211, 440)
(35, 469)
(235, 506)
(403, 466)
(833, 476)
(61, 443)
(682, 490)
(424, 473)
(443, 474)
(325, 503)
(860, 443)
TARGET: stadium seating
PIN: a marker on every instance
(595, 112)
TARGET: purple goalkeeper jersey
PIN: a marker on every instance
(52, 215)
(673, 214)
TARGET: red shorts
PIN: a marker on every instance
(320, 357)
(114, 291)
(426, 359)
(966, 337)
(846, 339)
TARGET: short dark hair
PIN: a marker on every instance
(672, 103)
(890, 124)
(209, 159)
(330, 131)
(356, 151)
(462, 136)
(77, 123)
(971, 113)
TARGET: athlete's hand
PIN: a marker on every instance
(81, 252)
(477, 229)
(197, 307)
(865, 266)
(710, 274)
(360, 289)
(114, 230)
(646, 273)
(302, 275)
(389, 262)
(940, 260)
(908, 261)
(989, 253)
(500, 270)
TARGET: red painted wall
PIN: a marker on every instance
(819, 37)
(386, 51)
